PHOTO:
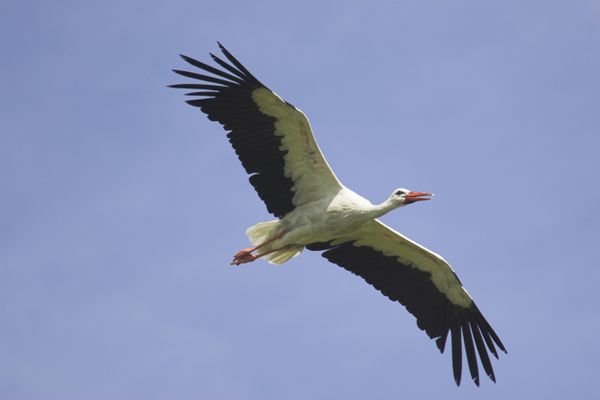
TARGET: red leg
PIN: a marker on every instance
(251, 257)
(245, 256)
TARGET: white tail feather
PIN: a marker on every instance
(281, 256)
(261, 232)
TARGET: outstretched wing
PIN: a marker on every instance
(271, 137)
(426, 285)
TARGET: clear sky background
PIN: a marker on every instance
(121, 206)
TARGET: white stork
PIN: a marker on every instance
(314, 210)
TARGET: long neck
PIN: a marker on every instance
(381, 209)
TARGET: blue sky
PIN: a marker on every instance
(121, 205)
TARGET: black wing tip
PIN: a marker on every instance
(237, 64)
(223, 49)
(189, 59)
(176, 86)
(473, 328)
(180, 72)
(495, 354)
(196, 103)
(457, 352)
(497, 340)
(470, 350)
(500, 345)
(440, 342)
(233, 71)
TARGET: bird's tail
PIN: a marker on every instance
(264, 231)
(281, 256)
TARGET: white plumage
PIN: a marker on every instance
(275, 144)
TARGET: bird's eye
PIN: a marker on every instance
(399, 192)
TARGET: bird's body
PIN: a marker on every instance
(314, 210)
(328, 219)
(322, 220)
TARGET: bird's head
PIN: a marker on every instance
(401, 197)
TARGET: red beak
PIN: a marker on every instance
(411, 197)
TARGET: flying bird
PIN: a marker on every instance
(314, 210)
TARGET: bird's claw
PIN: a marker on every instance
(243, 252)
(243, 257)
